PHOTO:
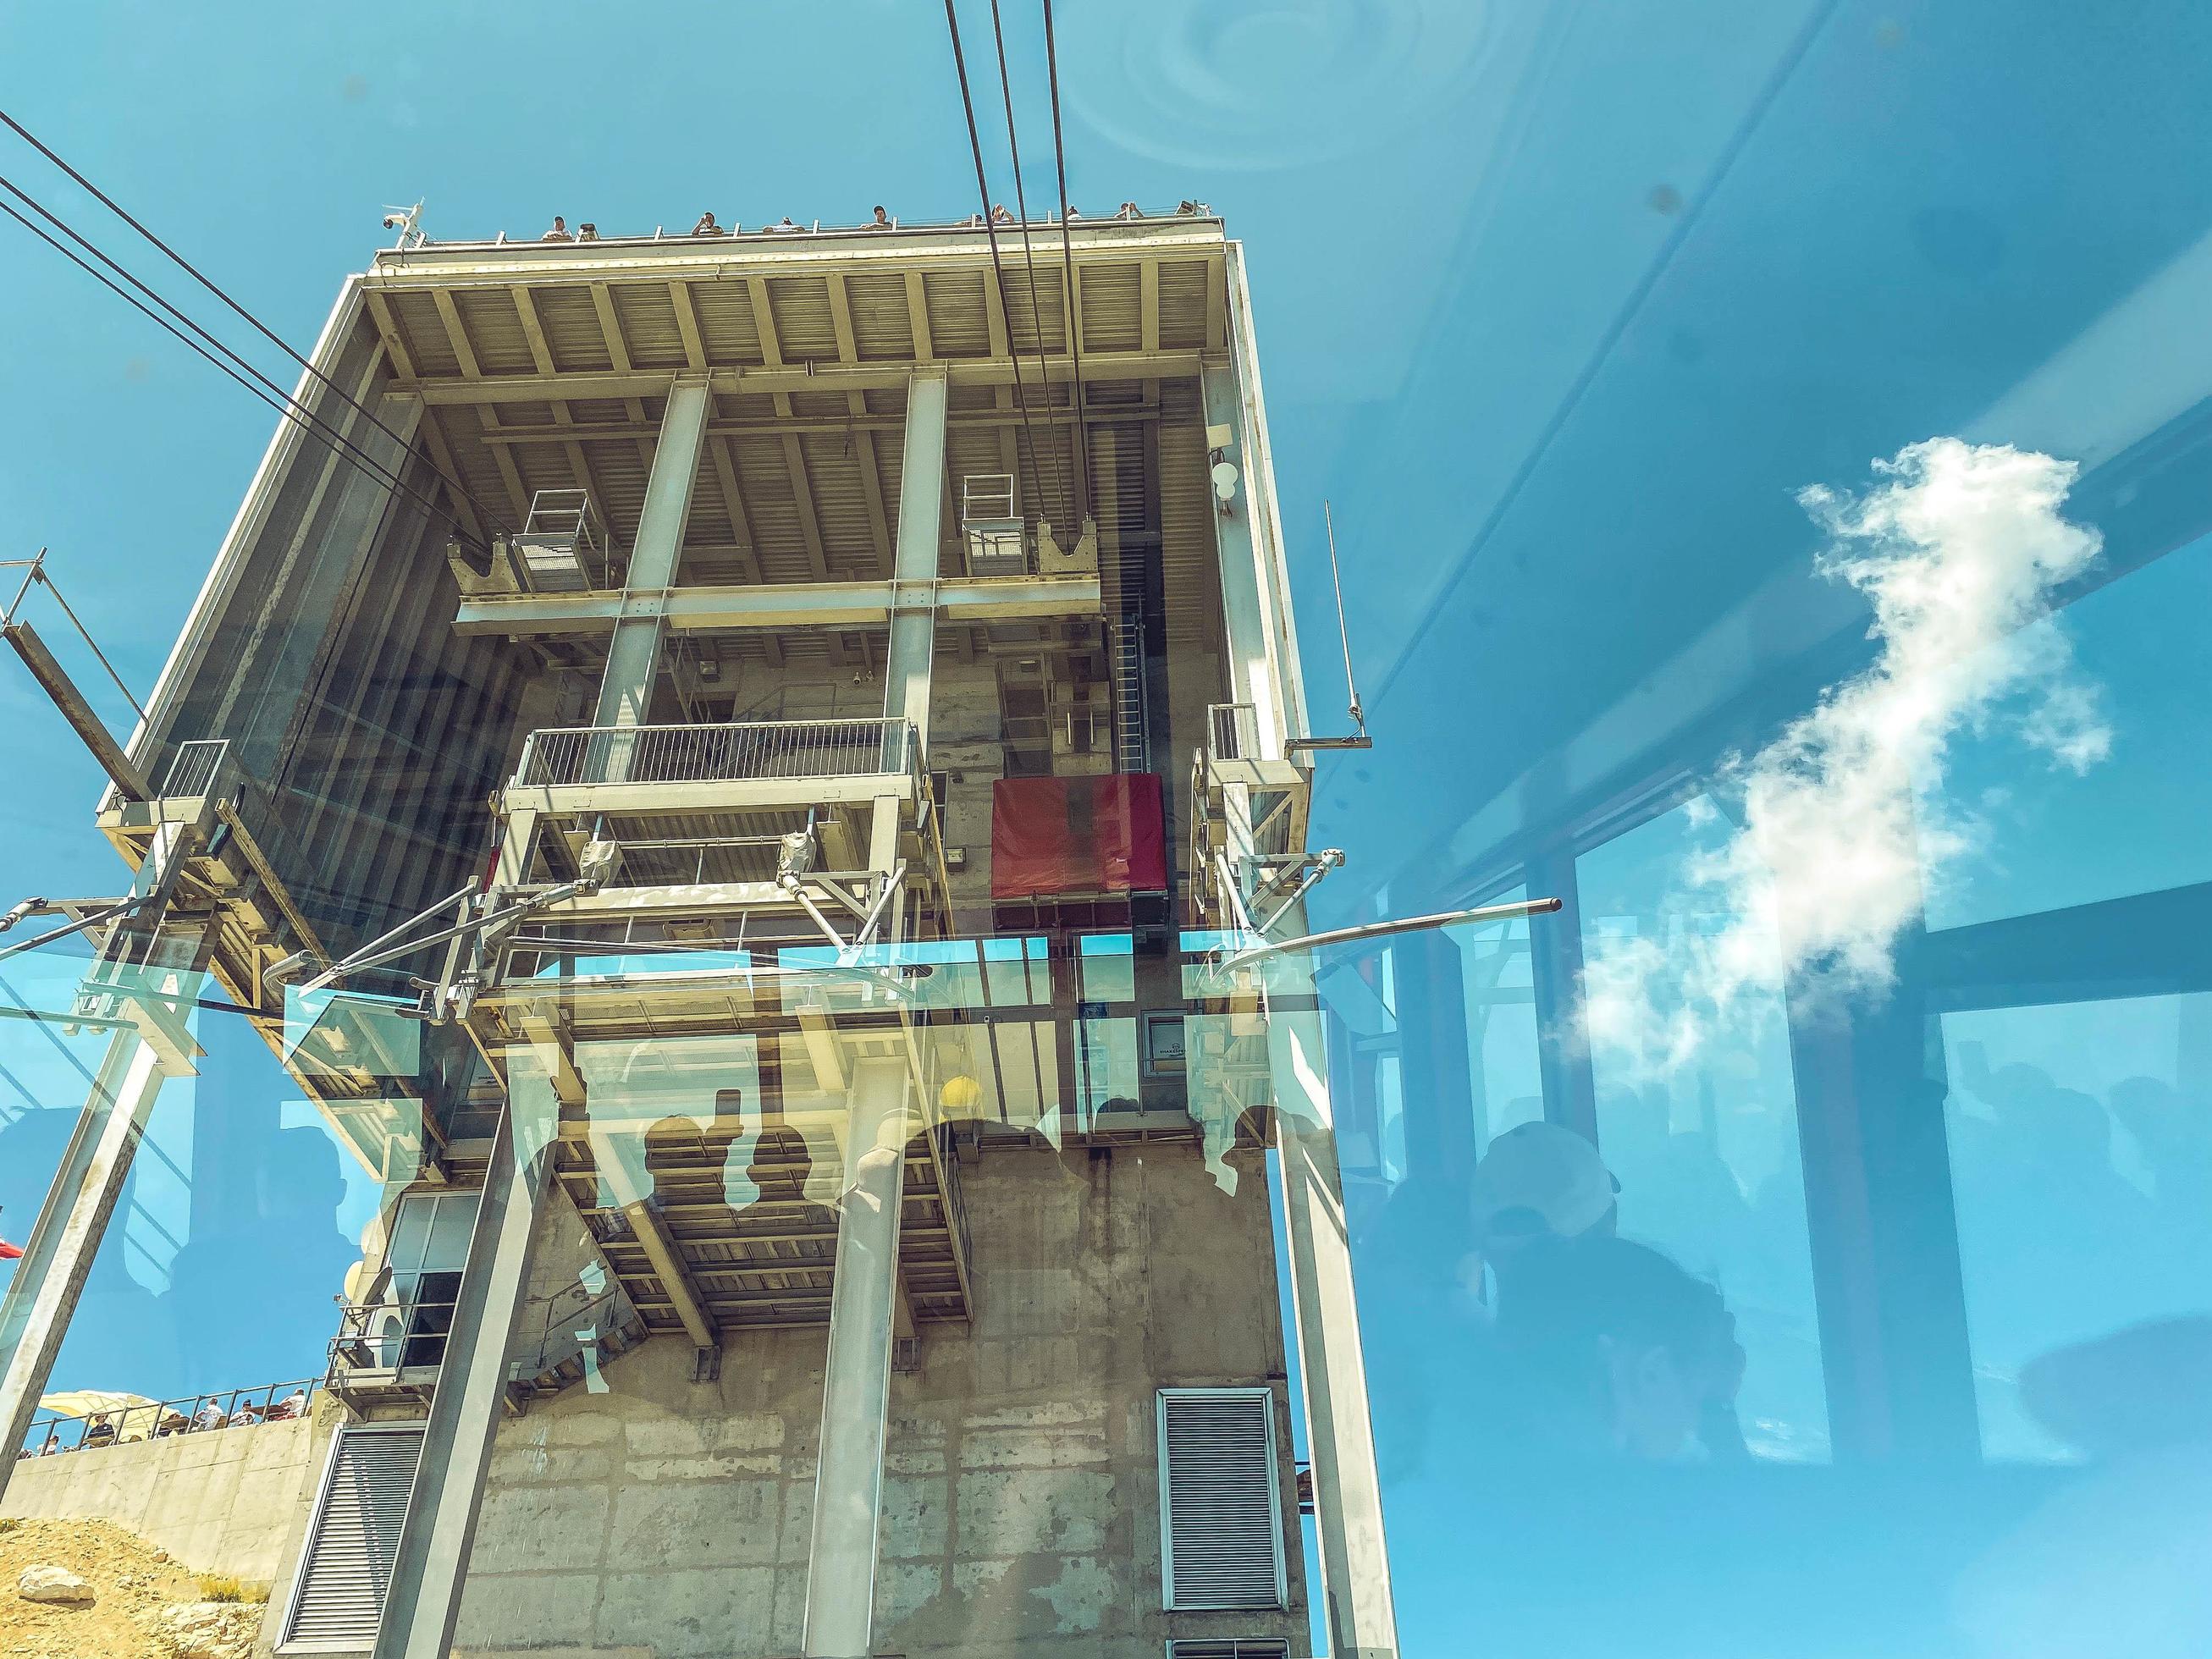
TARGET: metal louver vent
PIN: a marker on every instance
(1213, 1647)
(351, 1540)
(1221, 1521)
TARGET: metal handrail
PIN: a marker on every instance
(406, 1340)
(268, 1402)
(727, 752)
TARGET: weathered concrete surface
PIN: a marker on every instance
(224, 1502)
(666, 1520)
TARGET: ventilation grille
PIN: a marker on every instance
(1221, 1523)
(1217, 1648)
(353, 1538)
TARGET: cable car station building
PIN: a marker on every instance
(759, 874)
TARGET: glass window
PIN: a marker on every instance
(1704, 1142)
(2081, 1163)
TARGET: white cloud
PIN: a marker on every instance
(1827, 854)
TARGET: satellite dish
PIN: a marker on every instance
(1225, 479)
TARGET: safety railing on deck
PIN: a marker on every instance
(732, 752)
(383, 1336)
(54, 1432)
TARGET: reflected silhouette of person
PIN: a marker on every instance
(250, 1293)
(1608, 1348)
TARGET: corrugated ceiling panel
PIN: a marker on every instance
(1182, 304)
(841, 502)
(618, 476)
(1035, 313)
(572, 328)
(819, 405)
(494, 329)
(766, 481)
(416, 315)
(802, 325)
(1110, 295)
(647, 316)
(726, 321)
(958, 327)
(880, 328)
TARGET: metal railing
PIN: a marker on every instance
(51, 1433)
(192, 770)
(732, 752)
(561, 1333)
(1233, 731)
(396, 1335)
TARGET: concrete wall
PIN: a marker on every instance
(666, 1520)
(225, 1502)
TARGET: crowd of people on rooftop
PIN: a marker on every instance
(879, 219)
(103, 1428)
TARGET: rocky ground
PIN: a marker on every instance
(142, 1605)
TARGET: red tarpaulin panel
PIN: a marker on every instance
(1055, 835)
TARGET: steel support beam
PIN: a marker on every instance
(442, 391)
(780, 606)
(916, 594)
(58, 1255)
(633, 654)
(1332, 1370)
(840, 1579)
(431, 1564)
(1347, 1493)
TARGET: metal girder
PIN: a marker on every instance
(442, 390)
(777, 606)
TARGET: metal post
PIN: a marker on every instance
(58, 1255)
(633, 652)
(840, 1578)
(434, 1540)
(1555, 969)
(856, 1376)
(914, 627)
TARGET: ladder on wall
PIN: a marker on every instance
(1132, 747)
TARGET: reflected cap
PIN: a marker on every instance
(1537, 1178)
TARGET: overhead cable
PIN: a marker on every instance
(1022, 206)
(377, 468)
(1069, 301)
(205, 281)
(991, 230)
(284, 407)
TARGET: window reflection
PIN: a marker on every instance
(2082, 1156)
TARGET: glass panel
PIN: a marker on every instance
(1706, 1152)
(2081, 1157)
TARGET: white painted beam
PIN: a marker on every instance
(778, 606)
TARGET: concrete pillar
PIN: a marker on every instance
(434, 1540)
(920, 526)
(633, 652)
(58, 1255)
(840, 1579)
(1355, 1567)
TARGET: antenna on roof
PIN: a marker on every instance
(1359, 739)
(407, 221)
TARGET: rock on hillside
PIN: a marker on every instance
(144, 1606)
